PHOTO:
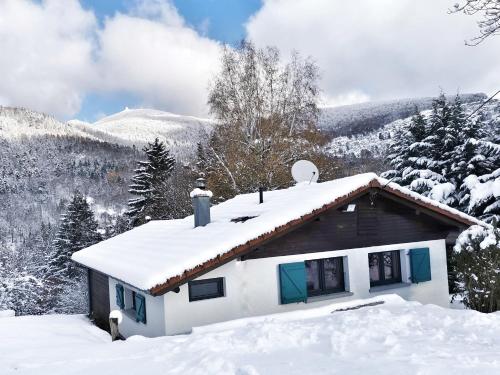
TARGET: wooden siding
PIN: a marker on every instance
(99, 299)
(385, 222)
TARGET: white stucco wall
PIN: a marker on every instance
(155, 315)
(252, 287)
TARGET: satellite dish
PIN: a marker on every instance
(305, 171)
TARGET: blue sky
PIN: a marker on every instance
(221, 20)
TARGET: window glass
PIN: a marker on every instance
(325, 276)
(205, 289)
(333, 273)
(129, 299)
(374, 267)
(312, 270)
(388, 265)
(384, 267)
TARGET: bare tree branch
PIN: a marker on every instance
(490, 12)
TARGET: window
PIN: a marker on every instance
(325, 276)
(129, 299)
(349, 208)
(205, 289)
(385, 268)
(133, 304)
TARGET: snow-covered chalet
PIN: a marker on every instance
(296, 248)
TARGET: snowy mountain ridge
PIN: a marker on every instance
(127, 128)
(139, 126)
(361, 118)
(16, 123)
(376, 141)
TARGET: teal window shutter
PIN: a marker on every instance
(140, 308)
(420, 265)
(293, 282)
(120, 301)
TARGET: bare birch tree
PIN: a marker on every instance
(267, 114)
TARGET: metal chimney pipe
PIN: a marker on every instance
(261, 195)
(201, 203)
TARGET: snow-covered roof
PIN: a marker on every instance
(159, 251)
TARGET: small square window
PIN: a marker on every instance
(350, 208)
(206, 289)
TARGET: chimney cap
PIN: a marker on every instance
(197, 192)
(201, 183)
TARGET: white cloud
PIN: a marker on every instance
(158, 58)
(45, 54)
(350, 97)
(381, 49)
(54, 52)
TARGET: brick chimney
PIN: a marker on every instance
(201, 203)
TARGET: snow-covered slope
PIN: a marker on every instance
(365, 117)
(16, 123)
(139, 126)
(396, 337)
(376, 141)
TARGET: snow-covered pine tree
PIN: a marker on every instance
(431, 149)
(480, 196)
(478, 173)
(149, 183)
(435, 156)
(454, 137)
(412, 153)
(201, 160)
(468, 157)
(64, 280)
(399, 148)
(78, 229)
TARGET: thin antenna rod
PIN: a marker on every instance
(482, 105)
(312, 178)
(387, 183)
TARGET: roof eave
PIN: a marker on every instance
(240, 250)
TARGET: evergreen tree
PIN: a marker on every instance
(480, 196)
(429, 162)
(149, 184)
(399, 148)
(477, 259)
(453, 139)
(447, 158)
(78, 229)
(201, 160)
(412, 155)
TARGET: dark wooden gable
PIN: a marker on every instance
(99, 299)
(377, 220)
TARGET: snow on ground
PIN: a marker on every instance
(7, 313)
(396, 337)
